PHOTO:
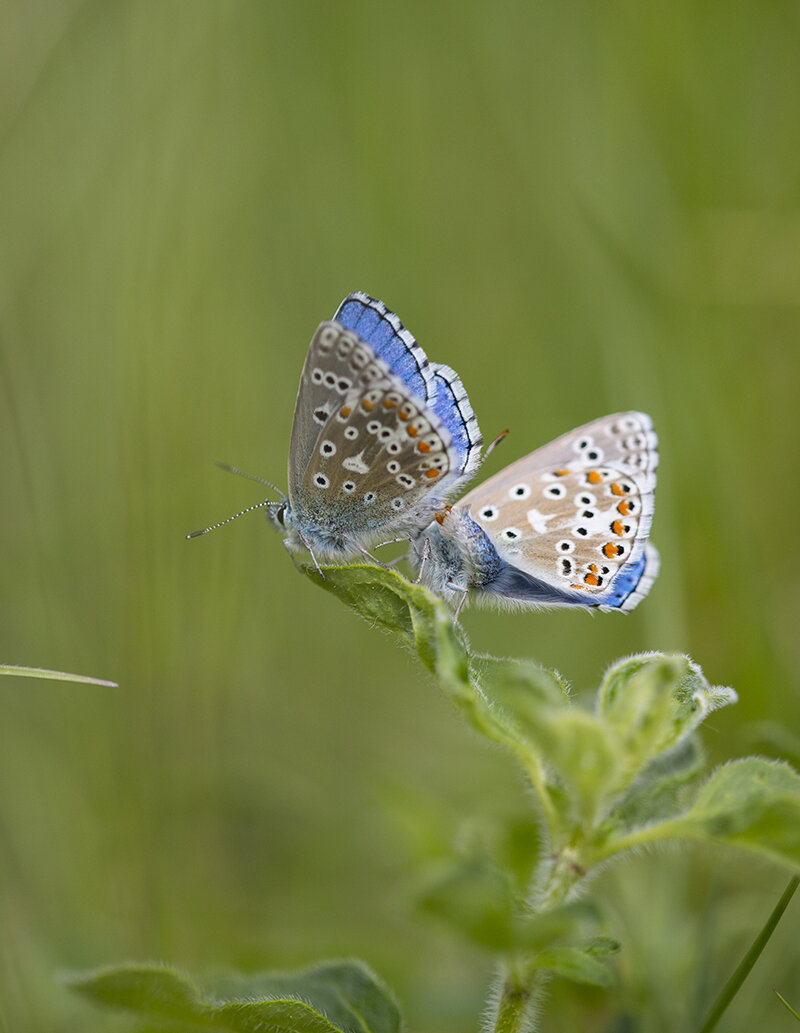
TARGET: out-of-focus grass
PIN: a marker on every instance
(582, 208)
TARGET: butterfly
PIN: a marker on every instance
(381, 437)
(567, 525)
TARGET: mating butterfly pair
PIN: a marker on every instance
(382, 438)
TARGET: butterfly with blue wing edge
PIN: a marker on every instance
(381, 437)
(567, 525)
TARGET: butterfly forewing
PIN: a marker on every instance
(337, 363)
(378, 462)
(578, 511)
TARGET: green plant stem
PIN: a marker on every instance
(731, 988)
(522, 981)
(517, 999)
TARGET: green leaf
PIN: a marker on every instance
(333, 997)
(41, 672)
(575, 965)
(479, 901)
(474, 897)
(786, 1005)
(751, 803)
(654, 701)
(661, 789)
(150, 989)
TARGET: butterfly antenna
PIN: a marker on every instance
(258, 505)
(495, 443)
(249, 476)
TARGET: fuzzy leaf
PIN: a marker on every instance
(660, 790)
(333, 997)
(751, 803)
(478, 900)
(475, 898)
(654, 701)
(575, 965)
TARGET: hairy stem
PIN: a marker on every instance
(520, 981)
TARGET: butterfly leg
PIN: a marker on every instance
(368, 555)
(462, 600)
(426, 551)
(398, 559)
(311, 554)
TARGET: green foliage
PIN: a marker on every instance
(607, 780)
(41, 672)
(335, 997)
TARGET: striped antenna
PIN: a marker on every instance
(250, 476)
(258, 505)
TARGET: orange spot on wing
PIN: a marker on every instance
(442, 516)
(412, 432)
(617, 489)
(431, 473)
(593, 567)
(592, 579)
(389, 404)
(404, 414)
(423, 446)
(366, 404)
(346, 410)
(560, 473)
(593, 477)
(610, 550)
(618, 527)
(624, 507)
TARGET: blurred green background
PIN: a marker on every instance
(583, 207)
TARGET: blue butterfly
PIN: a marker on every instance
(567, 525)
(381, 437)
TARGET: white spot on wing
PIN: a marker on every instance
(538, 521)
(356, 464)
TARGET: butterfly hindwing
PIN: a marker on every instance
(574, 515)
